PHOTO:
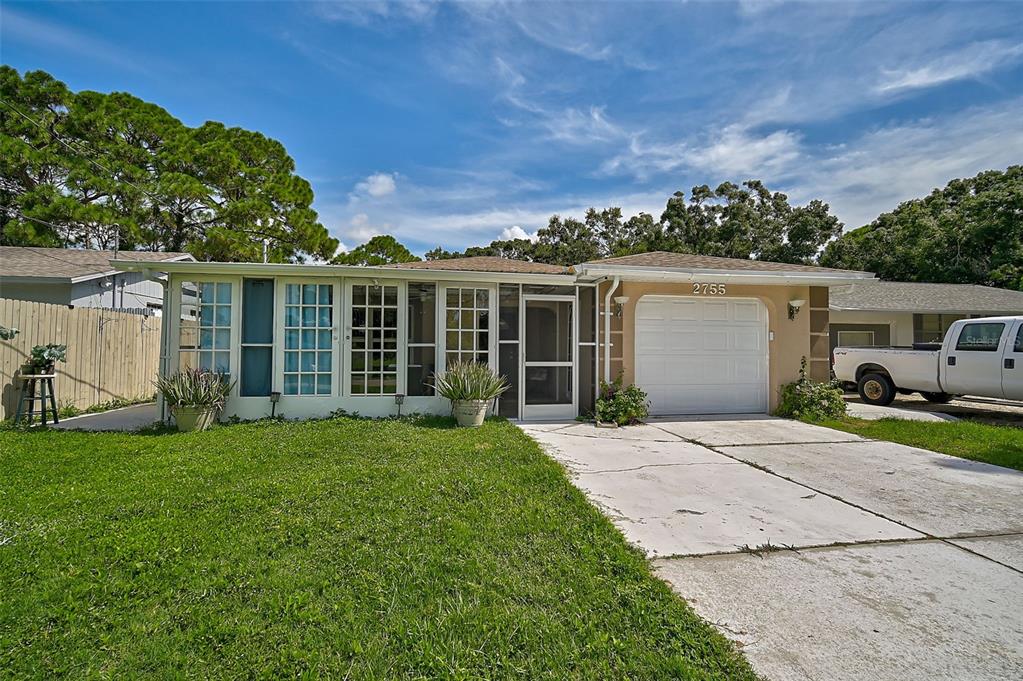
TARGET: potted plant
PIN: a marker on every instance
(470, 386)
(44, 357)
(195, 397)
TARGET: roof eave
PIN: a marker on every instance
(924, 310)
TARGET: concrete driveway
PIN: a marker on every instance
(822, 554)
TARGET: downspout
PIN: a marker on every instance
(165, 320)
(607, 328)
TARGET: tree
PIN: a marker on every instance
(969, 232)
(380, 250)
(99, 170)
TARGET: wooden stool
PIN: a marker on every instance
(28, 394)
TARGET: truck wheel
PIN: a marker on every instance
(876, 389)
(937, 398)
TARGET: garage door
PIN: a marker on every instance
(697, 356)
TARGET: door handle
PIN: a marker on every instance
(1010, 363)
(951, 361)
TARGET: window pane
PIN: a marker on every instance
(323, 361)
(326, 296)
(292, 315)
(307, 384)
(291, 339)
(222, 316)
(206, 339)
(206, 360)
(256, 371)
(308, 339)
(358, 384)
(548, 385)
(293, 294)
(508, 312)
(309, 294)
(421, 365)
(482, 298)
(291, 361)
(422, 313)
(326, 316)
(358, 361)
(222, 362)
(1018, 347)
(257, 310)
(547, 289)
(323, 384)
(290, 384)
(308, 316)
(323, 340)
(508, 366)
(222, 339)
(207, 293)
(308, 361)
(374, 296)
(452, 297)
(223, 294)
(391, 296)
(548, 331)
(468, 297)
(980, 337)
(358, 295)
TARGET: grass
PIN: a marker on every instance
(349, 548)
(999, 445)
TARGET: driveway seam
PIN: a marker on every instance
(845, 501)
(661, 465)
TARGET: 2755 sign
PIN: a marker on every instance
(709, 289)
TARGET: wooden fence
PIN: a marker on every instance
(110, 354)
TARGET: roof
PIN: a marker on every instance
(666, 259)
(484, 263)
(72, 264)
(901, 296)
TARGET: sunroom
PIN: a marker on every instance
(305, 340)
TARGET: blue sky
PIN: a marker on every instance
(453, 125)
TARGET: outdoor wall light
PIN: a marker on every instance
(399, 400)
(794, 306)
(275, 397)
(620, 302)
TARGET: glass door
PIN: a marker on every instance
(548, 366)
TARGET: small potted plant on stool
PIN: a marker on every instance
(195, 397)
(45, 357)
(471, 387)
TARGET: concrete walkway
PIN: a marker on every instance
(126, 419)
(822, 554)
(873, 412)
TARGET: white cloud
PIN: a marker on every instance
(360, 229)
(969, 62)
(370, 12)
(516, 232)
(376, 185)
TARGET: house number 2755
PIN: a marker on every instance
(709, 289)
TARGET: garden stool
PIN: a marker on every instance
(29, 386)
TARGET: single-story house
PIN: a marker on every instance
(883, 313)
(80, 277)
(699, 334)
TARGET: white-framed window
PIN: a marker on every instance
(308, 343)
(374, 328)
(205, 325)
(422, 337)
(855, 339)
(467, 321)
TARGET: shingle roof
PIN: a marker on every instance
(484, 263)
(899, 296)
(69, 263)
(707, 262)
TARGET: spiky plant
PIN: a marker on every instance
(195, 388)
(469, 381)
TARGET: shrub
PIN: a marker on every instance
(195, 388)
(45, 355)
(469, 381)
(621, 405)
(806, 399)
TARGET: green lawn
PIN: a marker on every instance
(1000, 445)
(365, 549)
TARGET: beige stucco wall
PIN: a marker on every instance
(901, 323)
(791, 342)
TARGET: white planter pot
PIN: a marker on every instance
(188, 419)
(470, 413)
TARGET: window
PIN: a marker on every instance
(856, 339)
(467, 325)
(308, 338)
(257, 337)
(422, 337)
(1018, 347)
(374, 340)
(205, 327)
(931, 328)
(980, 337)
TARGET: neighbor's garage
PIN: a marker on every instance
(702, 356)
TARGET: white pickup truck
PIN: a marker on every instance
(980, 357)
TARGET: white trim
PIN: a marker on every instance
(529, 412)
(346, 336)
(280, 288)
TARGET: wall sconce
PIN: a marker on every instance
(620, 302)
(275, 397)
(399, 400)
(794, 306)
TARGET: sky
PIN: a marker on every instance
(455, 124)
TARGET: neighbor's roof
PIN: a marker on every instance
(900, 296)
(484, 263)
(72, 264)
(688, 261)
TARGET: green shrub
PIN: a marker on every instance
(469, 381)
(45, 355)
(621, 405)
(806, 399)
(194, 388)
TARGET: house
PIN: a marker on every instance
(699, 334)
(896, 313)
(80, 278)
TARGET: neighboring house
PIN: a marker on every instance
(699, 334)
(897, 313)
(80, 278)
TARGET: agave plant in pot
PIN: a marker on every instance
(195, 397)
(471, 387)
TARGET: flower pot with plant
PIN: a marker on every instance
(195, 397)
(471, 387)
(44, 357)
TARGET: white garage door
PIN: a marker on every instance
(702, 356)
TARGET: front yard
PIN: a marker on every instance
(364, 549)
(998, 445)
